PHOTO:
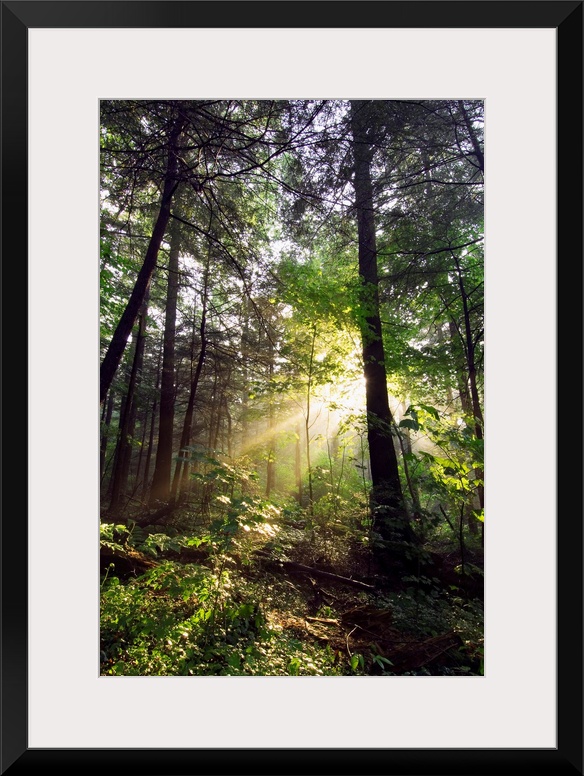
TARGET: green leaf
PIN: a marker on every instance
(430, 410)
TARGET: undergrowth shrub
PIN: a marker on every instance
(186, 620)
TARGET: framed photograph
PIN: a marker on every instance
(70, 698)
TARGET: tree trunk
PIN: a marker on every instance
(213, 409)
(124, 328)
(472, 374)
(181, 471)
(229, 441)
(160, 490)
(386, 498)
(245, 351)
(106, 420)
(298, 466)
(307, 424)
(216, 426)
(461, 369)
(146, 486)
(144, 428)
(120, 475)
(271, 451)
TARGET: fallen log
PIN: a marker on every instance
(310, 570)
(126, 561)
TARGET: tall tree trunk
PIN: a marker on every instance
(115, 456)
(124, 328)
(106, 420)
(181, 471)
(120, 475)
(223, 416)
(144, 427)
(146, 484)
(298, 466)
(245, 350)
(387, 500)
(146, 476)
(216, 427)
(213, 410)
(160, 490)
(469, 348)
(461, 369)
(271, 451)
(308, 425)
(229, 441)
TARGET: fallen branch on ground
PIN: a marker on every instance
(290, 565)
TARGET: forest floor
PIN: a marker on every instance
(392, 623)
(311, 602)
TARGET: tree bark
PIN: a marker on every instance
(461, 371)
(124, 328)
(181, 471)
(469, 348)
(120, 475)
(387, 500)
(307, 424)
(160, 490)
(106, 420)
(298, 466)
(271, 446)
(146, 483)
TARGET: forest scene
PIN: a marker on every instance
(291, 387)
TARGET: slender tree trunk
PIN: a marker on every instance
(124, 328)
(146, 486)
(106, 420)
(469, 349)
(116, 454)
(471, 364)
(229, 442)
(144, 427)
(271, 451)
(160, 490)
(245, 376)
(307, 424)
(120, 475)
(216, 427)
(181, 471)
(386, 497)
(331, 451)
(146, 479)
(213, 409)
(461, 369)
(298, 466)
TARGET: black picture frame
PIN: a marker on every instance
(17, 17)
